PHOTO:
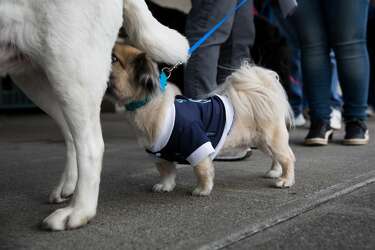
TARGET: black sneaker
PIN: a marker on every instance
(319, 134)
(356, 133)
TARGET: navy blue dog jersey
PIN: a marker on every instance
(199, 129)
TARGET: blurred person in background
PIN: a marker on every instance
(221, 54)
(371, 48)
(271, 11)
(338, 25)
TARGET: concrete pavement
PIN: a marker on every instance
(243, 212)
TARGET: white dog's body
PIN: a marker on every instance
(59, 54)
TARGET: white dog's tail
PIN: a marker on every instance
(257, 94)
(160, 42)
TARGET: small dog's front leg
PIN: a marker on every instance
(205, 173)
(167, 172)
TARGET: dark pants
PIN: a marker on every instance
(371, 47)
(340, 25)
(224, 51)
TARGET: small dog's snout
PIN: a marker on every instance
(110, 82)
(109, 89)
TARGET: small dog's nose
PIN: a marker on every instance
(109, 89)
(109, 83)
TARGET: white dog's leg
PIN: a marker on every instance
(275, 171)
(36, 86)
(80, 92)
(84, 121)
(160, 42)
(205, 173)
(167, 172)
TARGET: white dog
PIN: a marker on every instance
(59, 54)
(250, 109)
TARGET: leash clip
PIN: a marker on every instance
(168, 70)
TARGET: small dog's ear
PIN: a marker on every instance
(146, 73)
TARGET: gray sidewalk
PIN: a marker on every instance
(243, 212)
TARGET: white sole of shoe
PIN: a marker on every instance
(357, 141)
(319, 141)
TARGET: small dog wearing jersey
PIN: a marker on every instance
(250, 109)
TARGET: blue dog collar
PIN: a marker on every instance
(134, 105)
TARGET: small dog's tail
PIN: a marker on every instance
(257, 94)
(146, 33)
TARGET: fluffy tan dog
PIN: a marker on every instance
(254, 102)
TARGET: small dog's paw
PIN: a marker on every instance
(163, 187)
(66, 219)
(284, 182)
(273, 173)
(198, 191)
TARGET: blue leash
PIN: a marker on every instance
(216, 27)
(166, 72)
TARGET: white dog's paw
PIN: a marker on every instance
(273, 173)
(284, 182)
(163, 187)
(66, 219)
(199, 191)
(62, 192)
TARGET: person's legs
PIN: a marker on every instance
(310, 26)
(201, 69)
(346, 21)
(309, 23)
(237, 48)
(232, 53)
(371, 48)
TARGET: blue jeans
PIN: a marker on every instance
(297, 97)
(371, 44)
(339, 25)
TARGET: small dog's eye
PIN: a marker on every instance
(114, 59)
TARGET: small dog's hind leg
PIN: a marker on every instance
(205, 173)
(275, 171)
(167, 172)
(282, 153)
(36, 86)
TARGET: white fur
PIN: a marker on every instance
(167, 172)
(160, 42)
(262, 113)
(59, 54)
(257, 94)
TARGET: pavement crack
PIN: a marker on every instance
(308, 203)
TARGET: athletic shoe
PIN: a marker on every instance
(299, 121)
(234, 154)
(336, 119)
(370, 111)
(356, 133)
(319, 134)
